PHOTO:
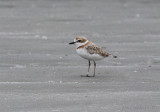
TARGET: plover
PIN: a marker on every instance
(89, 51)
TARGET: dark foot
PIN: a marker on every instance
(114, 56)
(87, 76)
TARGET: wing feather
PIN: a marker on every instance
(94, 49)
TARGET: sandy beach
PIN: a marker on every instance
(40, 71)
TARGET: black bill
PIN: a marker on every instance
(71, 42)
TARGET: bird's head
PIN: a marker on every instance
(79, 41)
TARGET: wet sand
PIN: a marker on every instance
(40, 71)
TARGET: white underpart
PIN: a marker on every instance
(85, 54)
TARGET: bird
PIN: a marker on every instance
(89, 51)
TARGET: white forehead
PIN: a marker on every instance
(75, 40)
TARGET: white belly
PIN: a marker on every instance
(84, 54)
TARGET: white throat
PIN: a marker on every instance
(81, 44)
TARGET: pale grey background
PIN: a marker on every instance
(40, 72)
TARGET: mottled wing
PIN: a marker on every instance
(94, 49)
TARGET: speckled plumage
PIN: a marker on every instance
(94, 49)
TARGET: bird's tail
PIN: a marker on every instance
(113, 56)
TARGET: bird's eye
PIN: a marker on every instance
(79, 40)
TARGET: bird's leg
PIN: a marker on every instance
(89, 69)
(94, 69)
(89, 64)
